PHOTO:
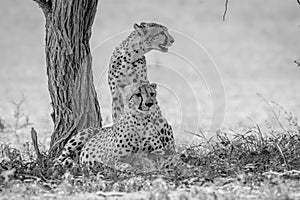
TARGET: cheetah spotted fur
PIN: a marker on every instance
(134, 133)
(128, 63)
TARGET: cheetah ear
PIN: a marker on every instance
(139, 29)
(136, 26)
(143, 24)
(153, 85)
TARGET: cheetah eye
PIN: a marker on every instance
(152, 94)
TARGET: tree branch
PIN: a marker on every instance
(45, 5)
(298, 1)
(226, 7)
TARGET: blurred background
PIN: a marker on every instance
(208, 80)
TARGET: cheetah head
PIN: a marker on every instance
(139, 98)
(154, 36)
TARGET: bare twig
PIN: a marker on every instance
(298, 1)
(226, 8)
(36, 147)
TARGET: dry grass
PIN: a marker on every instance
(257, 163)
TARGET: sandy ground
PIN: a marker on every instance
(209, 79)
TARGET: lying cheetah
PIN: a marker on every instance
(128, 64)
(135, 132)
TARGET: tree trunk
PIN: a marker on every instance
(69, 68)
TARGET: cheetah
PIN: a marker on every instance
(118, 145)
(128, 63)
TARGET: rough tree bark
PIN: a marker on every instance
(69, 68)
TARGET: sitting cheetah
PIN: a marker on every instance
(135, 132)
(128, 63)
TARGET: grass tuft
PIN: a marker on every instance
(255, 163)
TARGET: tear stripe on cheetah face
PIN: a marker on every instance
(128, 64)
(139, 97)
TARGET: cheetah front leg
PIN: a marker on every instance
(166, 134)
(151, 141)
(165, 131)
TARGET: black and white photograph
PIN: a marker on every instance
(150, 99)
